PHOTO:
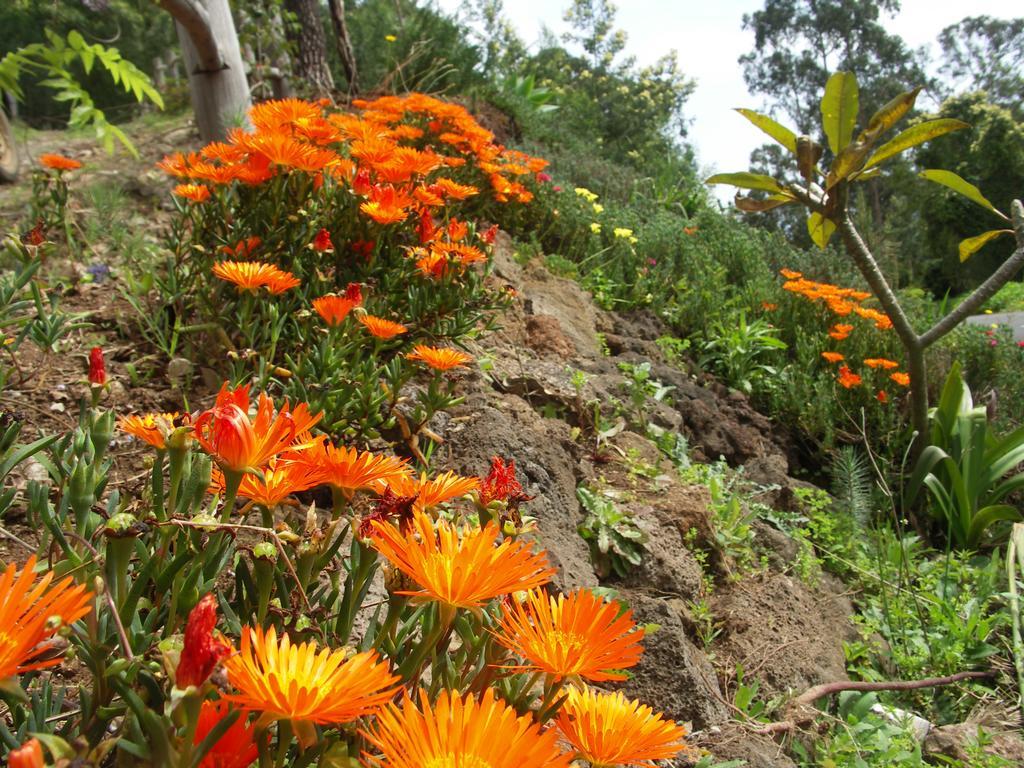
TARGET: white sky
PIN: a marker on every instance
(708, 37)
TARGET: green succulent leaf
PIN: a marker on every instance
(911, 137)
(839, 110)
(780, 133)
(965, 188)
(972, 245)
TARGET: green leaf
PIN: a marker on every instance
(820, 229)
(839, 110)
(752, 205)
(972, 245)
(965, 188)
(911, 137)
(780, 133)
(746, 180)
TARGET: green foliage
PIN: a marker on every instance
(53, 59)
(616, 543)
(983, 53)
(851, 482)
(640, 387)
(738, 350)
(968, 470)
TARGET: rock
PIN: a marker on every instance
(506, 426)
(786, 635)
(674, 676)
(953, 741)
(735, 742)
(545, 337)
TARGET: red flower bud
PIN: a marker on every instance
(202, 652)
(489, 234)
(322, 241)
(501, 484)
(28, 755)
(361, 184)
(425, 229)
(97, 368)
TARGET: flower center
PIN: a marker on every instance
(456, 761)
(568, 642)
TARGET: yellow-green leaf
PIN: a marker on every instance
(847, 162)
(890, 114)
(965, 188)
(820, 229)
(752, 205)
(911, 137)
(780, 133)
(839, 110)
(972, 245)
(746, 180)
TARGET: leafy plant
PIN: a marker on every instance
(851, 482)
(616, 543)
(737, 350)
(640, 386)
(968, 470)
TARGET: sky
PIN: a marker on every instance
(708, 38)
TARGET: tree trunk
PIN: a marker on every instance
(311, 58)
(213, 61)
(344, 42)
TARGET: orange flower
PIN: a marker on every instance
(196, 193)
(902, 379)
(253, 275)
(322, 241)
(236, 747)
(386, 205)
(833, 357)
(425, 494)
(31, 614)
(768, 306)
(882, 397)
(28, 755)
(789, 274)
(460, 568)
(381, 328)
(334, 309)
(59, 162)
(608, 729)
(280, 479)
(439, 358)
(690, 230)
(152, 428)
(840, 331)
(242, 248)
(451, 189)
(848, 378)
(460, 730)
(350, 470)
(294, 682)
(239, 443)
(576, 635)
(881, 362)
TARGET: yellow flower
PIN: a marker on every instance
(623, 232)
(586, 194)
(595, 227)
(598, 208)
(390, 38)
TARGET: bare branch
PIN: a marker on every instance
(193, 18)
(987, 289)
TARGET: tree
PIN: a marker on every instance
(981, 53)
(826, 196)
(798, 44)
(307, 33)
(344, 43)
(213, 60)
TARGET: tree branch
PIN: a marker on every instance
(987, 289)
(192, 16)
(803, 712)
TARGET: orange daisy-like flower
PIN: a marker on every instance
(236, 748)
(848, 378)
(461, 568)
(576, 635)
(334, 309)
(253, 275)
(607, 729)
(297, 683)
(386, 205)
(381, 328)
(280, 479)
(840, 331)
(30, 614)
(881, 362)
(439, 358)
(833, 357)
(350, 470)
(195, 193)
(789, 274)
(152, 428)
(239, 443)
(460, 731)
(903, 379)
(430, 493)
(59, 162)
